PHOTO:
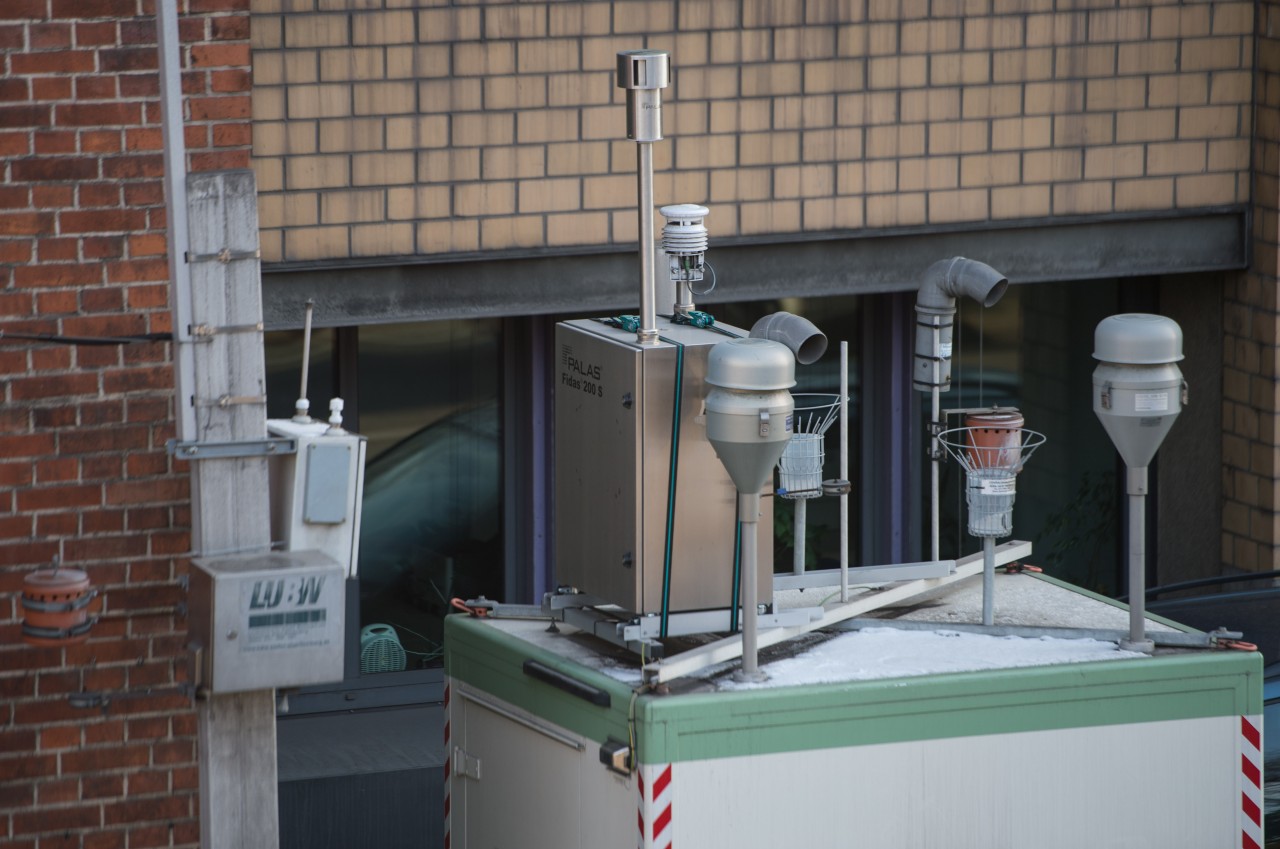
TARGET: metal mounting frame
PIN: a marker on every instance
(1171, 639)
(865, 575)
(730, 648)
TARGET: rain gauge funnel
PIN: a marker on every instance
(749, 423)
(1138, 391)
(992, 450)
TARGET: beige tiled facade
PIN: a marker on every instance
(403, 128)
(408, 128)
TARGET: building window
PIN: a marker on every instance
(430, 404)
(428, 396)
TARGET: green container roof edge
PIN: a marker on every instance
(702, 726)
(492, 661)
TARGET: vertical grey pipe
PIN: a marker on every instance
(943, 282)
(798, 536)
(175, 198)
(844, 471)
(749, 515)
(648, 333)
(935, 455)
(1137, 491)
(988, 580)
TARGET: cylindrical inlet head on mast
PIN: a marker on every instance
(644, 73)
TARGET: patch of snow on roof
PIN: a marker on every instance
(874, 653)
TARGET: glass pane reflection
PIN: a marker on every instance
(432, 525)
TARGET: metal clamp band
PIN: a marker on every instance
(29, 603)
(205, 331)
(224, 401)
(59, 633)
(224, 256)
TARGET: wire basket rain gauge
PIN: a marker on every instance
(992, 458)
(992, 454)
(800, 469)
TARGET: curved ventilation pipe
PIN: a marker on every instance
(805, 340)
(943, 282)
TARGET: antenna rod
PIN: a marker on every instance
(301, 408)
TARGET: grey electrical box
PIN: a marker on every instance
(326, 499)
(266, 621)
(615, 416)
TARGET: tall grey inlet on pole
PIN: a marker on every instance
(1138, 391)
(749, 422)
(644, 73)
(943, 282)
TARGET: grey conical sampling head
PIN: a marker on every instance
(749, 410)
(1138, 389)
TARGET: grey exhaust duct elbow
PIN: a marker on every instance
(943, 282)
(806, 341)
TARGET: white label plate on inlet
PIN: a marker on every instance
(1151, 402)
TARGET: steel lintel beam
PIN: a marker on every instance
(543, 282)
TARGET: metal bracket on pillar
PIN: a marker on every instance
(223, 256)
(222, 450)
(224, 401)
(206, 332)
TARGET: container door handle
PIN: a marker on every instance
(572, 686)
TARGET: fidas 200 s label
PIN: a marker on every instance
(579, 374)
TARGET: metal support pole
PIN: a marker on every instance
(935, 544)
(988, 580)
(798, 548)
(175, 194)
(844, 471)
(648, 333)
(749, 515)
(1136, 481)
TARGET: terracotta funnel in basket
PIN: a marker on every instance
(995, 439)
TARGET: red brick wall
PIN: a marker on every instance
(83, 470)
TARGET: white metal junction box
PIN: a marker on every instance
(270, 620)
(316, 492)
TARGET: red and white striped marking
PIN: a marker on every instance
(654, 781)
(448, 759)
(1251, 782)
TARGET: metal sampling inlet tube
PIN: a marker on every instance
(644, 73)
(648, 332)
